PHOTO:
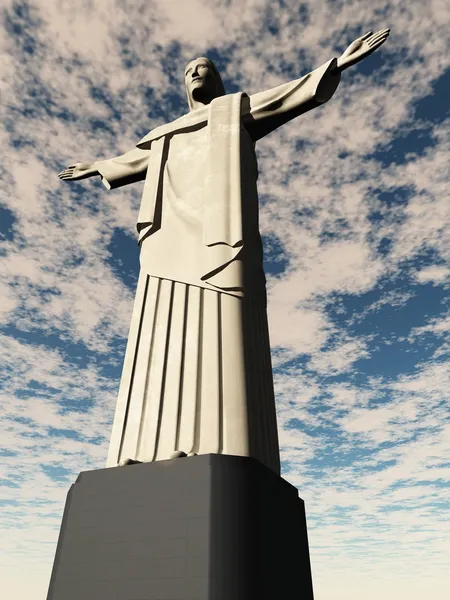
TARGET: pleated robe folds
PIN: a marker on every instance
(197, 374)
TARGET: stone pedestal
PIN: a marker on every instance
(208, 527)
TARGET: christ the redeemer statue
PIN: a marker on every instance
(197, 375)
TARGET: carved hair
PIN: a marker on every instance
(220, 90)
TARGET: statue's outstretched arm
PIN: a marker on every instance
(115, 172)
(270, 109)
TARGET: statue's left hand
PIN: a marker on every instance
(361, 48)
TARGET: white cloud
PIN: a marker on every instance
(436, 274)
(340, 359)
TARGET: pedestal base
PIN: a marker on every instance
(208, 527)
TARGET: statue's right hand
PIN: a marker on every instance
(78, 171)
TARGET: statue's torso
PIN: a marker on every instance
(175, 251)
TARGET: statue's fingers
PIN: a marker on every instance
(378, 35)
(373, 47)
(365, 36)
(377, 42)
(377, 39)
(382, 33)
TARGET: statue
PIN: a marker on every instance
(197, 375)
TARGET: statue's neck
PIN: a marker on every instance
(201, 102)
(197, 104)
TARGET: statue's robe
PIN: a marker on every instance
(197, 374)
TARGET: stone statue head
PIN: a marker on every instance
(203, 82)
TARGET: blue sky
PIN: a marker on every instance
(355, 222)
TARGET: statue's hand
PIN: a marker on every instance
(78, 171)
(361, 48)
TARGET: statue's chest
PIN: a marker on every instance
(187, 165)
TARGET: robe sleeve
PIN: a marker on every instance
(272, 108)
(124, 169)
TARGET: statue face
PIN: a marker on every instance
(200, 80)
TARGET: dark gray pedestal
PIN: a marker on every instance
(210, 527)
